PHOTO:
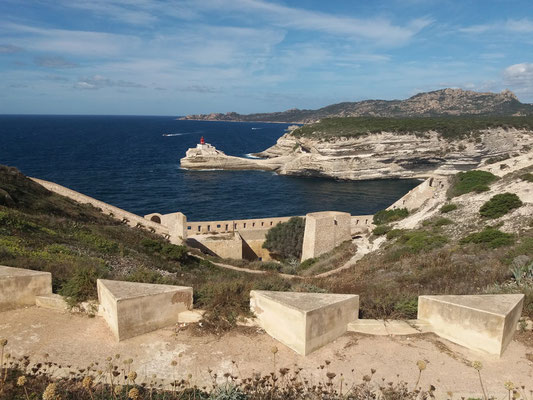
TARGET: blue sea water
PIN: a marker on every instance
(126, 161)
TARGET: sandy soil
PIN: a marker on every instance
(78, 340)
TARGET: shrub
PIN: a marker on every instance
(448, 208)
(386, 216)
(407, 308)
(285, 240)
(480, 188)
(466, 182)
(442, 221)
(307, 263)
(394, 233)
(381, 230)
(489, 237)
(527, 177)
(151, 246)
(174, 252)
(97, 242)
(499, 205)
(82, 284)
(417, 241)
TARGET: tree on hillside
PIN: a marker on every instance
(285, 240)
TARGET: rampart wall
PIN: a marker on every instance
(118, 213)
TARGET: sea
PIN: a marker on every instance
(132, 162)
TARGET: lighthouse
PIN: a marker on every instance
(204, 146)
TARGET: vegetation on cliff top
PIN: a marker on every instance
(448, 127)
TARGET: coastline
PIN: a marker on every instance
(233, 120)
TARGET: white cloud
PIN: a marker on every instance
(63, 41)
(509, 26)
(100, 82)
(53, 62)
(519, 75)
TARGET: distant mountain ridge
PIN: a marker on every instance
(438, 103)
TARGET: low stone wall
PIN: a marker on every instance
(224, 245)
(118, 213)
(19, 287)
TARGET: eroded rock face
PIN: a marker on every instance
(392, 155)
(373, 156)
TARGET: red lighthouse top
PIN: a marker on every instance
(202, 141)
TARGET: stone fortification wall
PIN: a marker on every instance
(361, 224)
(418, 195)
(195, 228)
(324, 231)
(118, 213)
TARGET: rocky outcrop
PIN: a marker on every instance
(205, 156)
(382, 155)
(444, 102)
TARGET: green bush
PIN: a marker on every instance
(394, 233)
(386, 216)
(285, 240)
(480, 188)
(489, 237)
(97, 242)
(174, 252)
(82, 284)
(448, 208)
(442, 221)
(381, 230)
(307, 263)
(499, 205)
(407, 308)
(421, 241)
(470, 181)
(527, 177)
(151, 246)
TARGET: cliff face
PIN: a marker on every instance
(393, 155)
(445, 102)
(374, 156)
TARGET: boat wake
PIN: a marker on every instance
(250, 155)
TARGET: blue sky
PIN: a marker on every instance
(176, 57)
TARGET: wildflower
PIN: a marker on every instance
(87, 382)
(50, 392)
(3, 342)
(21, 381)
(132, 376)
(509, 385)
(117, 390)
(174, 363)
(274, 350)
(421, 365)
(330, 375)
(477, 365)
(134, 394)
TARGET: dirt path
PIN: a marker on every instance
(76, 340)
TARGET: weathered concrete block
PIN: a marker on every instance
(18, 287)
(479, 322)
(131, 308)
(304, 321)
(52, 302)
(324, 231)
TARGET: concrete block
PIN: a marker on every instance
(388, 327)
(190, 317)
(19, 287)
(52, 302)
(480, 322)
(304, 321)
(131, 308)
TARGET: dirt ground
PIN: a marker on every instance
(78, 340)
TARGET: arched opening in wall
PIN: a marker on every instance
(155, 219)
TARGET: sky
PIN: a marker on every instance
(178, 57)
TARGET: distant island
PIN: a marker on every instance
(438, 103)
